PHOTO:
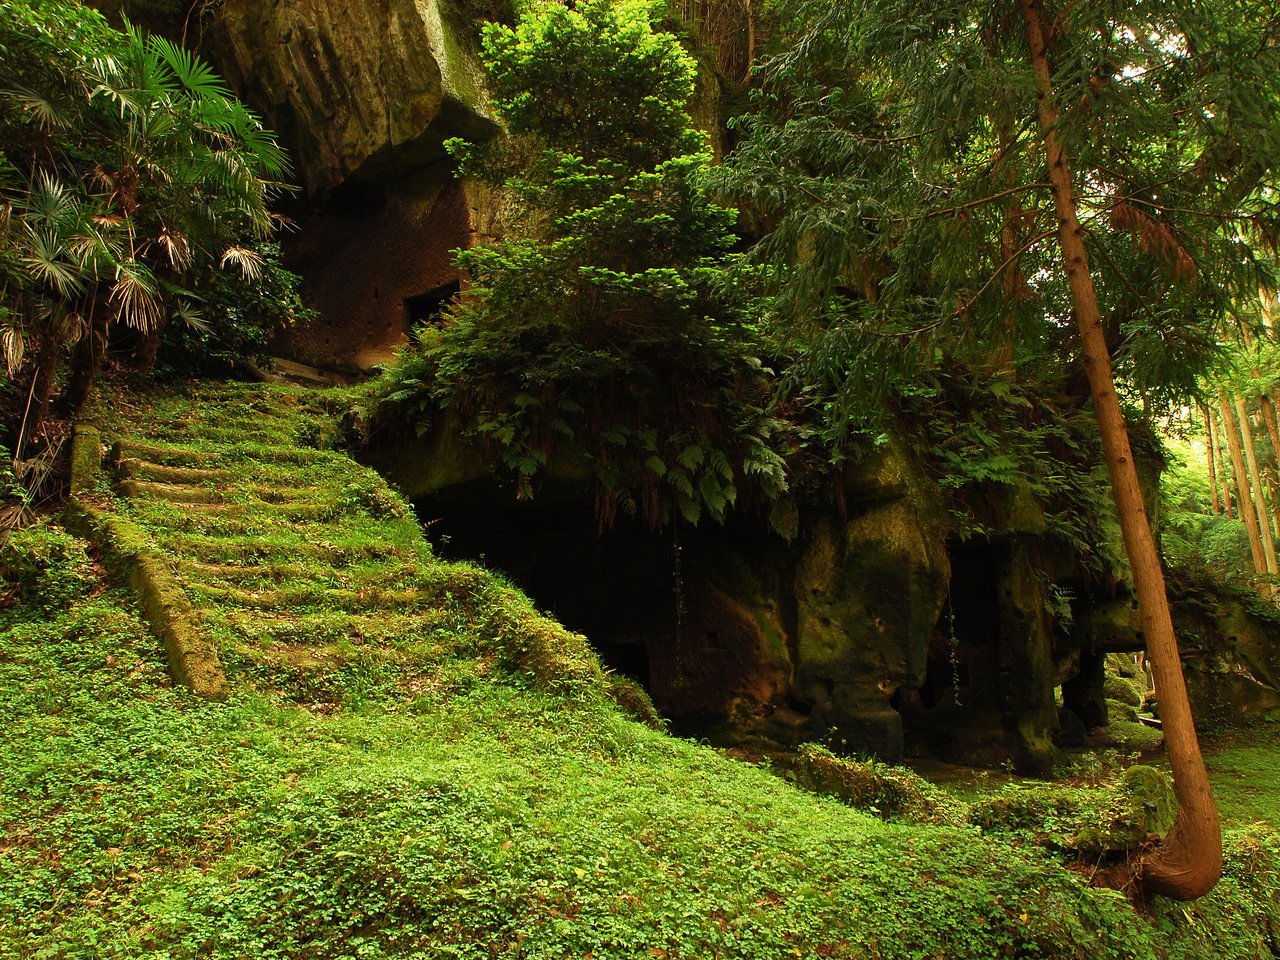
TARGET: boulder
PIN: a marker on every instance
(362, 90)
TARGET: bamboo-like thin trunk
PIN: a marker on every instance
(1255, 489)
(1224, 470)
(1250, 519)
(1268, 412)
(1189, 861)
(1213, 455)
(1271, 484)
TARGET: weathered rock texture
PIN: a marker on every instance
(862, 633)
(357, 90)
(364, 96)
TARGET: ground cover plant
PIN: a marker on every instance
(445, 796)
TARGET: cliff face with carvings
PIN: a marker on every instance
(364, 96)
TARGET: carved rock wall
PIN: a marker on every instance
(364, 95)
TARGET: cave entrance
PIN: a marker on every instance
(957, 710)
(969, 627)
(619, 588)
(429, 307)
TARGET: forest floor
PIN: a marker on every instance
(413, 762)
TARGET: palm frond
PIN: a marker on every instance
(47, 113)
(249, 262)
(192, 71)
(186, 311)
(14, 345)
(136, 296)
(46, 260)
(176, 246)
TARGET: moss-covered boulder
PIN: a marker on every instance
(1125, 690)
(1087, 821)
(890, 792)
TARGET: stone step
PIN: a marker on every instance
(273, 573)
(302, 599)
(131, 468)
(230, 549)
(175, 493)
(261, 628)
(291, 514)
(163, 454)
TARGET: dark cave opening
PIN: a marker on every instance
(968, 629)
(429, 307)
(618, 588)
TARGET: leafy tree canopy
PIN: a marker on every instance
(604, 326)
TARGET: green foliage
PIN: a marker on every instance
(1191, 533)
(1086, 821)
(893, 158)
(45, 566)
(224, 320)
(540, 68)
(604, 330)
(128, 176)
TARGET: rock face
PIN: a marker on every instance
(358, 90)
(364, 96)
(1231, 651)
(871, 631)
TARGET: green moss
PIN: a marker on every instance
(1136, 736)
(1118, 711)
(1124, 690)
(1085, 821)
(1246, 775)
(86, 458)
(893, 793)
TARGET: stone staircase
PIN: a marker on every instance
(294, 568)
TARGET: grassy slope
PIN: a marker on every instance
(427, 798)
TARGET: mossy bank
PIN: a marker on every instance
(359, 795)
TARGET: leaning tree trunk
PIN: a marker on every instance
(1248, 515)
(1188, 862)
(1213, 457)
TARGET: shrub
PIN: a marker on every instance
(45, 566)
(605, 328)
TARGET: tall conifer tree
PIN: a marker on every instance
(1082, 182)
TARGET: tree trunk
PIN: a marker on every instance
(144, 355)
(1189, 861)
(42, 377)
(1255, 489)
(1213, 456)
(1224, 470)
(1249, 517)
(86, 361)
(1268, 409)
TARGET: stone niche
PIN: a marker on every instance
(363, 96)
